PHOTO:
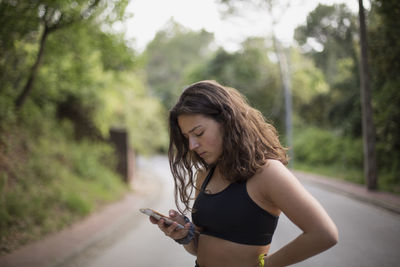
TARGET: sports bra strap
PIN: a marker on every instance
(208, 178)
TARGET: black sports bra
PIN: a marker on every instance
(232, 215)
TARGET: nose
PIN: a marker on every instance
(193, 143)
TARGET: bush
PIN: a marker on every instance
(316, 146)
(48, 181)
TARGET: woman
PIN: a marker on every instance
(224, 151)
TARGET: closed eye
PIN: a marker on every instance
(200, 134)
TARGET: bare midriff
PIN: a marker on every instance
(216, 252)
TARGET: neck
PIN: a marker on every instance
(218, 174)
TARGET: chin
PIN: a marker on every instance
(210, 161)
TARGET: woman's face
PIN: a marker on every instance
(204, 136)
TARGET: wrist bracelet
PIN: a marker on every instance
(188, 238)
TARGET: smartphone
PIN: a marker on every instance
(156, 215)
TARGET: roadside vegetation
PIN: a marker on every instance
(56, 163)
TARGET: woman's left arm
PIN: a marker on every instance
(319, 232)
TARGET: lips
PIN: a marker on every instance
(201, 154)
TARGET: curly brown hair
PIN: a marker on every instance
(248, 140)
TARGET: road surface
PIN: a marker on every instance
(369, 236)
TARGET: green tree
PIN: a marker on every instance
(253, 71)
(53, 16)
(274, 10)
(310, 91)
(329, 39)
(54, 154)
(96, 91)
(384, 54)
(169, 55)
(329, 36)
(39, 20)
(83, 62)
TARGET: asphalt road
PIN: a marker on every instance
(369, 236)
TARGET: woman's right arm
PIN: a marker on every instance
(192, 246)
(172, 231)
(176, 234)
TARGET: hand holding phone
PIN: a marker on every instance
(158, 216)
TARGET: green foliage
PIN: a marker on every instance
(88, 167)
(384, 54)
(326, 89)
(128, 106)
(253, 71)
(85, 76)
(309, 91)
(76, 203)
(334, 30)
(249, 70)
(44, 186)
(115, 54)
(307, 80)
(169, 54)
(336, 171)
(332, 154)
(55, 163)
(328, 153)
(315, 146)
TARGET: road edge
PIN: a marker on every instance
(385, 200)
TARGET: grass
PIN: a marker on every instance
(333, 154)
(350, 174)
(48, 181)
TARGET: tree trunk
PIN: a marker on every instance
(286, 83)
(33, 73)
(370, 169)
(287, 89)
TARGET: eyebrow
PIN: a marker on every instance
(193, 129)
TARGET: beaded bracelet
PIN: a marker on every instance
(188, 238)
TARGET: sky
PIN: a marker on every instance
(149, 16)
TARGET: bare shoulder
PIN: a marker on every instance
(272, 166)
(275, 181)
(272, 172)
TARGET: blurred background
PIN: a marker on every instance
(77, 77)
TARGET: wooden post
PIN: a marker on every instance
(119, 138)
(370, 168)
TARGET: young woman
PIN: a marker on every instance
(231, 158)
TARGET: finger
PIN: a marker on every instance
(172, 213)
(181, 233)
(176, 216)
(153, 220)
(163, 227)
(170, 229)
(161, 224)
(173, 231)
